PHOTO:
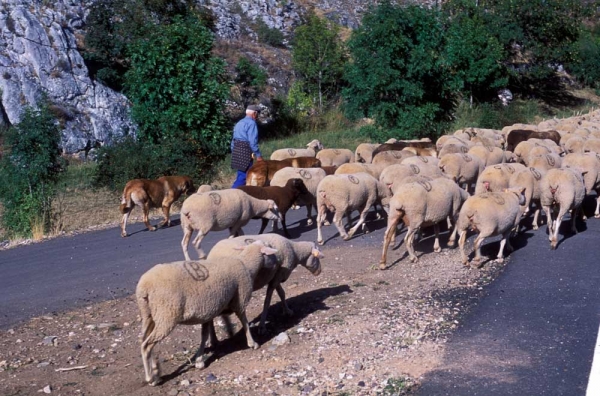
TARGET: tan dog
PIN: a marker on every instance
(158, 193)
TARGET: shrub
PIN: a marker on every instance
(132, 159)
(266, 35)
(29, 169)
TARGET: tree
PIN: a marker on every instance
(29, 169)
(251, 80)
(318, 57)
(475, 57)
(178, 88)
(397, 75)
(538, 35)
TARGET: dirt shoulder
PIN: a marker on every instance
(355, 331)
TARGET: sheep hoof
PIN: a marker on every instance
(414, 259)
(326, 223)
(597, 216)
(309, 222)
(200, 364)
(382, 266)
(437, 250)
(346, 237)
(321, 242)
(500, 260)
(124, 235)
(378, 217)
(153, 228)
(535, 227)
(254, 345)
(553, 246)
(154, 382)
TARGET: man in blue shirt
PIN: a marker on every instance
(244, 144)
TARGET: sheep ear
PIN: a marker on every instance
(317, 253)
(267, 250)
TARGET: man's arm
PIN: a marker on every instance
(253, 140)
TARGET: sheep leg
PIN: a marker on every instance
(157, 333)
(504, 242)
(275, 225)
(390, 233)
(549, 221)
(146, 210)
(477, 244)
(236, 230)
(361, 221)
(597, 212)
(556, 227)
(242, 317)
(206, 330)
(281, 294)
(536, 215)
(196, 242)
(574, 215)
(436, 244)
(187, 235)
(285, 230)
(263, 225)
(309, 220)
(452, 239)
(409, 241)
(337, 221)
(320, 217)
(461, 244)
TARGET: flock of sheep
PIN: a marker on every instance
(482, 180)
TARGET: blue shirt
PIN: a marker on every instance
(247, 130)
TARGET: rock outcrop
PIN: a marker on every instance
(38, 56)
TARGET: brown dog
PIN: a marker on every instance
(158, 193)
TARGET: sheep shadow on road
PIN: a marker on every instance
(302, 305)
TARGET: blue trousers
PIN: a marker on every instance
(240, 179)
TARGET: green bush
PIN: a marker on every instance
(133, 159)
(586, 66)
(266, 35)
(29, 169)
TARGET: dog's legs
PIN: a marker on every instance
(146, 209)
(166, 207)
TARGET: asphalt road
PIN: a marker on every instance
(532, 334)
(535, 330)
(70, 272)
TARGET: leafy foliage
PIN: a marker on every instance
(140, 159)
(251, 79)
(538, 35)
(271, 36)
(473, 54)
(178, 88)
(398, 76)
(318, 58)
(112, 25)
(29, 170)
(586, 65)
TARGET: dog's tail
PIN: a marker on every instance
(126, 203)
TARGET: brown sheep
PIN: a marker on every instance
(284, 197)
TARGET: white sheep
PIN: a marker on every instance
(544, 161)
(335, 157)
(561, 189)
(418, 160)
(311, 150)
(450, 148)
(464, 169)
(390, 157)
(311, 178)
(195, 292)
(491, 155)
(495, 178)
(575, 144)
(357, 167)
(218, 210)
(364, 152)
(343, 194)
(589, 164)
(393, 175)
(529, 179)
(489, 214)
(289, 255)
(420, 204)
